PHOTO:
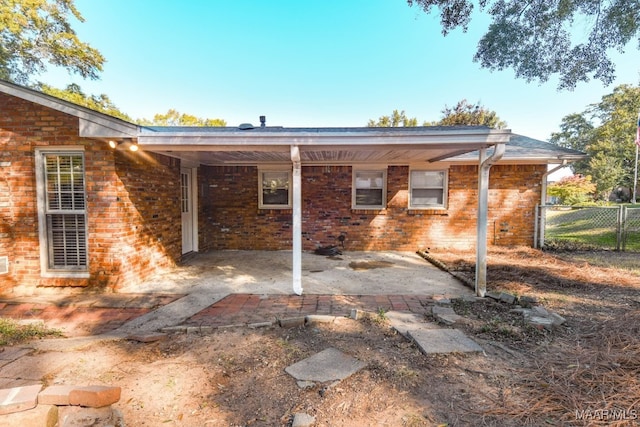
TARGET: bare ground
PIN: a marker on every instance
(586, 372)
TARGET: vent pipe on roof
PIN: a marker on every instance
(263, 121)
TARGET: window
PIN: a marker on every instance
(62, 212)
(274, 189)
(369, 189)
(427, 189)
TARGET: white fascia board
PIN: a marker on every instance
(101, 127)
(448, 139)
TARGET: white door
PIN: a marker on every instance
(186, 204)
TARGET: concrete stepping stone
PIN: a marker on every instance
(431, 341)
(329, 365)
(18, 399)
(405, 322)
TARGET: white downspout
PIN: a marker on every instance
(483, 202)
(541, 215)
(297, 220)
(543, 198)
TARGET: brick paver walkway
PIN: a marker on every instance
(93, 315)
(82, 315)
(250, 308)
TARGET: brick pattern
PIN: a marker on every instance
(131, 235)
(243, 309)
(230, 218)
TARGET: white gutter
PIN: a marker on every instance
(297, 220)
(483, 202)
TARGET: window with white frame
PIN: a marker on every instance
(428, 189)
(275, 189)
(369, 189)
(62, 211)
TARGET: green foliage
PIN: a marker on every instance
(572, 190)
(462, 114)
(73, 93)
(396, 119)
(606, 132)
(539, 38)
(175, 118)
(11, 332)
(469, 114)
(34, 33)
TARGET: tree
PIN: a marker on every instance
(175, 118)
(539, 38)
(572, 190)
(396, 119)
(472, 115)
(606, 132)
(34, 33)
(73, 93)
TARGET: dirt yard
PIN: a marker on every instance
(586, 372)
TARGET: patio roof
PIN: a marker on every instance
(326, 146)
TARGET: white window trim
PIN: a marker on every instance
(445, 189)
(276, 168)
(354, 171)
(45, 271)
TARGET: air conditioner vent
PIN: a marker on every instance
(4, 265)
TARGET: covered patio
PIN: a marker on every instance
(299, 147)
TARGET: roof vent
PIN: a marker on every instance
(245, 126)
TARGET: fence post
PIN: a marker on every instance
(623, 231)
(619, 228)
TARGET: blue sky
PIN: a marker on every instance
(308, 63)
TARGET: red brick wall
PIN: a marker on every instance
(131, 232)
(230, 218)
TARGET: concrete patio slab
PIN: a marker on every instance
(269, 272)
(329, 365)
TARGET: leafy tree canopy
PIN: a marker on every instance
(469, 114)
(541, 38)
(73, 93)
(37, 33)
(606, 132)
(572, 190)
(462, 114)
(175, 118)
(396, 119)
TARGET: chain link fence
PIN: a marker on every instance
(583, 228)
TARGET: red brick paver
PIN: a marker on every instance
(248, 308)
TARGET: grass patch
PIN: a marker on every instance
(12, 332)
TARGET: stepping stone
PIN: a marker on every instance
(405, 322)
(18, 399)
(329, 365)
(433, 341)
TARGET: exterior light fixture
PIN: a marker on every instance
(124, 145)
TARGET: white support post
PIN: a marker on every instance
(297, 220)
(483, 203)
(481, 226)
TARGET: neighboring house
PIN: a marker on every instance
(78, 208)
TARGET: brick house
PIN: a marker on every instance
(80, 208)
